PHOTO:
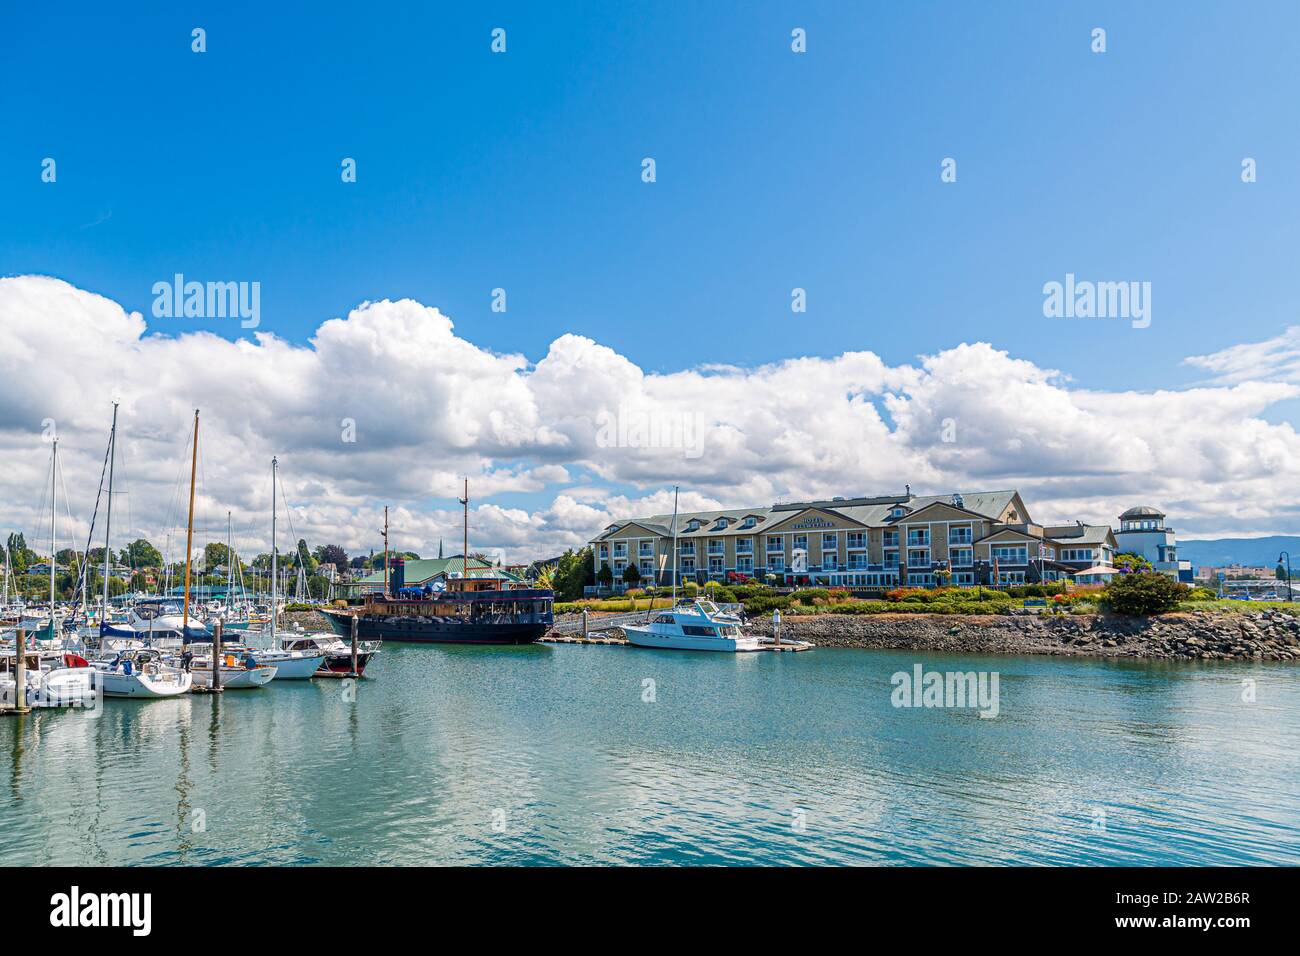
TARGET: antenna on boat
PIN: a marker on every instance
(674, 546)
(464, 554)
(385, 534)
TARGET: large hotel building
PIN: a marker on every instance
(985, 537)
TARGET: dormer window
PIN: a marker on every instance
(692, 525)
(748, 522)
(897, 513)
(722, 523)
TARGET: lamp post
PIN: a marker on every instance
(1287, 556)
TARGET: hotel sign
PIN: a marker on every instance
(813, 523)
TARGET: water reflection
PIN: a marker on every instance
(553, 754)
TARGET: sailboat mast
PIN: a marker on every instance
(54, 520)
(229, 565)
(274, 466)
(386, 594)
(108, 519)
(189, 529)
(464, 552)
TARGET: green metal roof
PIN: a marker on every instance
(424, 569)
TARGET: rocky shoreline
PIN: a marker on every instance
(1202, 635)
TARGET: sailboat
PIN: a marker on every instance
(142, 672)
(698, 626)
(289, 664)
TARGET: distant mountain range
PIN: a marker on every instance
(1256, 552)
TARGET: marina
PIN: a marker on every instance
(555, 753)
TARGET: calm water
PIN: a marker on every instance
(550, 755)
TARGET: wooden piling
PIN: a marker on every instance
(355, 626)
(216, 655)
(20, 670)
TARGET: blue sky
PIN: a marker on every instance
(521, 171)
(774, 171)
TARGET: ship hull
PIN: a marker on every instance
(432, 630)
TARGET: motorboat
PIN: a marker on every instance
(337, 653)
(694, 626)
(142, 673)
(73, 683)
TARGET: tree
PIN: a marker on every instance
(1143, 592)
(141, 554)
(605, 576)
(1128, 561)
(631, 575)
(215, 554)
(573, 573)
(332, 554)
(546, 576)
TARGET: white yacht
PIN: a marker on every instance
(698, 626)
(142, 673)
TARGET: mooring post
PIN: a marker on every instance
(584, 623)
(20, 670)
(354, 646)
(776, 625)
(216, 658)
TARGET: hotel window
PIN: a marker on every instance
(745, 565)
(1009, 554)
(647, 570)
(620, 550)
(715, 547)
(891, 559)
(963, 578)
(857, 562)
(1077, 554)
(959, 535)
(619, 566)
(747, 523)
(686, 547)
(891, 539)
(918, 536)
(897, 513)
(801, 542)
(776, 563)
(1011, 577)
(744, 545)
(920, 580)
(830, 542)
(962, 557)
(688, 565)
(715, 565)
(774, 543)
(918, 559)
(722, 523)
(647, 549)
(604, 551)
(857, 539)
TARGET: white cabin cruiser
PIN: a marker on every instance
(697, 626)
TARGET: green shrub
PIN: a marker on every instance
(1146, 592)
(810, 596)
